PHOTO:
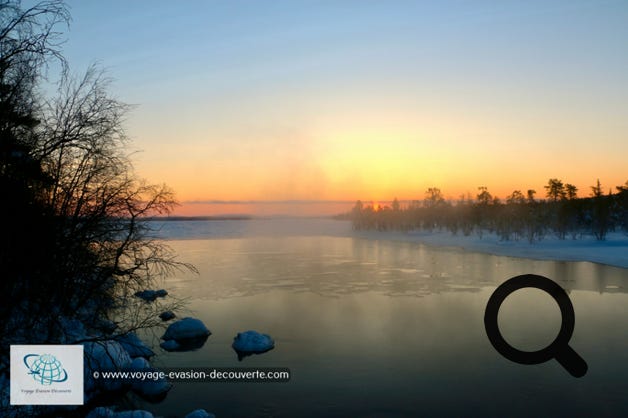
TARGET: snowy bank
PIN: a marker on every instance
(613, 251)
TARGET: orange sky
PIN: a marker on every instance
(364, 100)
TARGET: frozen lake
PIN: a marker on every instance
(379, 328)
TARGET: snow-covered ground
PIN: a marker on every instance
(613, 251)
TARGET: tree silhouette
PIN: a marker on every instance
(82, 245)
(518, 217)
(571, 191)
(555, 190)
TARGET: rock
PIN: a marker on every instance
(151, 295)
(184, 345)
(200, 413)
(104, 355)
(147, 295)
(188, 334)
(167, 315)
(102, 412)
(139, 363)
(186, 329)
(252, 342)
(134, 414)
(170, 345)
(152, 390)
(134, 346)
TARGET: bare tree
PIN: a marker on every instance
(83, 246)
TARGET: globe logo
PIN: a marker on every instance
(45, 368)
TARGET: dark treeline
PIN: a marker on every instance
(520, 216)
(75, 245)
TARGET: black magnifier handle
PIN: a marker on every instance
(572, 362)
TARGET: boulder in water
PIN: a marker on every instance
(150, 295)
(186, 328)
(200, 413)
(167, 315)
(187, 333)
(252, 342)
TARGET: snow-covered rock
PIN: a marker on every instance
(134, 346)
(134, 414)
(167, 315)
(104, 355)
(185, 329)
(139, 363)
(102, 412)
(150, 295)
(170, 345)
(252, 342)
(200, 413)
(187, 334)
(150, 389)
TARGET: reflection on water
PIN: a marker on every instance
(334, 266)
(385, 329)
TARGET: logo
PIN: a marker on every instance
(45, 368)
(47, 375)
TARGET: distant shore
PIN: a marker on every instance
(613, 251)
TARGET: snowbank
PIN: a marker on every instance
(613, 251)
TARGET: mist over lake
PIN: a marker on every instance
(385, 328)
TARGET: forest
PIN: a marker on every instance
(519, 217)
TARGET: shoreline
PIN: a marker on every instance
(611, 252)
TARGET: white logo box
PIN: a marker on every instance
(46, 375)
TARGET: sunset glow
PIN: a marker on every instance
(340, 101)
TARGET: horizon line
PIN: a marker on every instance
(266, 202)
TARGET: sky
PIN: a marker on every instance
(265, 107)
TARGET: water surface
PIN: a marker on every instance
(373, 328)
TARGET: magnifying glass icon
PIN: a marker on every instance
(559, 348)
